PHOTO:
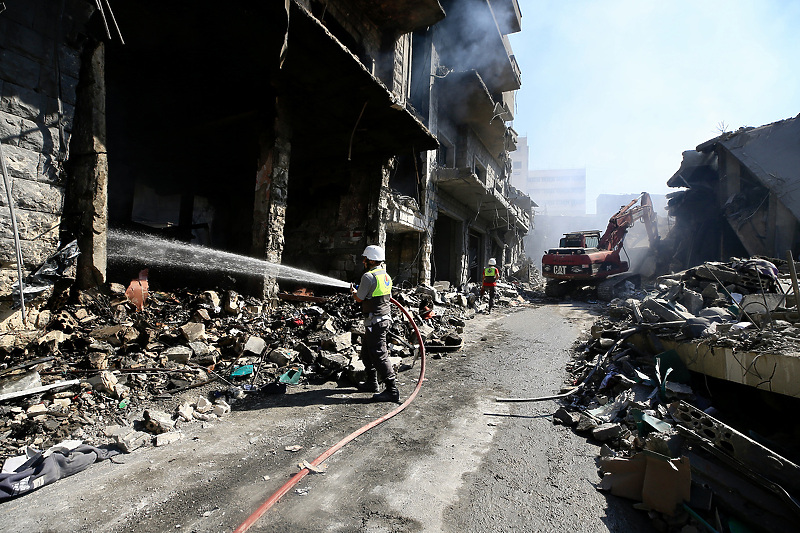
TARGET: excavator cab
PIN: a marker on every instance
(581, 239)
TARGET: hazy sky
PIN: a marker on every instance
(623, 87)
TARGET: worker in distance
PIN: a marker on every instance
(490, 278)
(374, 293)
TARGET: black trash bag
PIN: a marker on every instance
(50, 272)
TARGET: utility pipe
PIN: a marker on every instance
(244, 526)
(14, 229)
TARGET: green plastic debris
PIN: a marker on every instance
(123, 404)
(244, 370)
(643, 378)
(671, 359)
(292, 376)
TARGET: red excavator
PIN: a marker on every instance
(584, 257)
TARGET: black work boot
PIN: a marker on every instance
(371, 383)
(389, 394)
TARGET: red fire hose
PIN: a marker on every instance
(336, 447)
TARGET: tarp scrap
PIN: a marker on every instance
(51, 270)
(43, 468)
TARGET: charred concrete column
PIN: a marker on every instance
(462, 248)
(430, 213)
(426, 266)
(87, 200)
(269, 210)
(377, 202)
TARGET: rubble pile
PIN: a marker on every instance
(101, 371)
(741, 302)
(662, 445)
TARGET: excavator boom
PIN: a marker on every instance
(623, 219)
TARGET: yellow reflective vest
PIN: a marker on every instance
(383, 287)
(490, 276)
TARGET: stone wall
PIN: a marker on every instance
(37, 43)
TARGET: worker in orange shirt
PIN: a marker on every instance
(490, 277)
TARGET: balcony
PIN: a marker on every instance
(402, 16)
(352, 94)
(508, 15)
(474, 41)
(470, 102)
(403, 214)
(483, 195)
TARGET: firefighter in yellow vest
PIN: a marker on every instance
(374, 293)
(490, 278)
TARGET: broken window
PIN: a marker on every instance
(480, 171)
(446, 153)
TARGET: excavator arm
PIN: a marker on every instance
(619, 223)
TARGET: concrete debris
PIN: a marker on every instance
(168, 438)
(148, 373)
(642, 392)
(157, 422)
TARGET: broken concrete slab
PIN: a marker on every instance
(664, 310)
(739, 446)
(333, 361)
(203, 405)
(193, 331)
(338, 343)
(717, 272)
(254, 346)
(27, 380)
(185, 411)
(128, 439)
(568, 418)
(157, 422)
(169, 437)
(607, 431)
(178, 354)
(282, 356)
(232, 303)
(586, 424)
(693, 301)
(305, 354)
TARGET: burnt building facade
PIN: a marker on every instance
(739, 196)
(296, 131)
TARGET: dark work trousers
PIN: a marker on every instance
(491, 291)
(373, 350)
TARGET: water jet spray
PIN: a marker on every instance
(128, 247)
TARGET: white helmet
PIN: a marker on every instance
(492, 261)
(374, 252)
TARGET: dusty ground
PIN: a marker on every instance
(455, 460)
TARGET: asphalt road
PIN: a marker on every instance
(454, 460)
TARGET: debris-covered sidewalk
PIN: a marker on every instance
(131, 366)
(696, 449)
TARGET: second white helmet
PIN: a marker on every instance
(373, 252)
(492, 261)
